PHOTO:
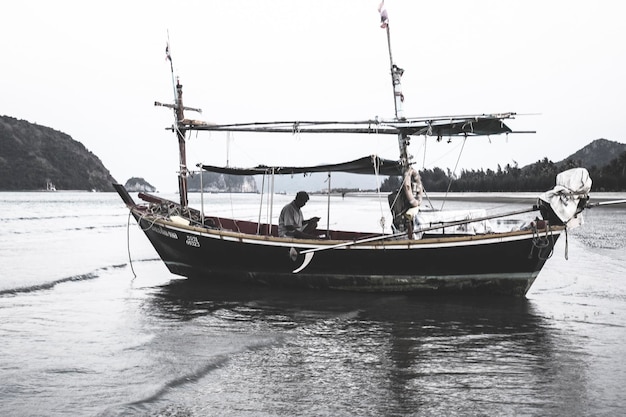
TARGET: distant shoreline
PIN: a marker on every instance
(494, 197)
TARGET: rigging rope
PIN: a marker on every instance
(258, 226)
(424, 169)
(376, 164)
(454, 172)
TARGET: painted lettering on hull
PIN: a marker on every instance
(192, 241)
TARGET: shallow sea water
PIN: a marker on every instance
(81, 335)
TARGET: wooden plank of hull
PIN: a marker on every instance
(501, 264)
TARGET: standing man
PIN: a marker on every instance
(291, 222)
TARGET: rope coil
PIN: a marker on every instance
(542, 242)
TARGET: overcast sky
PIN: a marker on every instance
(94, 69)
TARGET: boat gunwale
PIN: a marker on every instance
(388, 242)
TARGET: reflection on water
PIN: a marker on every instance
(361, 354)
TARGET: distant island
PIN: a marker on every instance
(211, 182)
(214, 182)
(136, 185)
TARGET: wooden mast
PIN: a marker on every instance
(403, 138)
(182, 150)
(398, 97)
(179, 129)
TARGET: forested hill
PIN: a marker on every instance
(599, 153)
(32, 155)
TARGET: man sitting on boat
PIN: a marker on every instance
(291, 222)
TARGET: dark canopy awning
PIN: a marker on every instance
(470, 127)
(366, 165)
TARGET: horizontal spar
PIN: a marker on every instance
(605, 203)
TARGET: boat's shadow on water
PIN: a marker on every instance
(479, 350)
(185, 299)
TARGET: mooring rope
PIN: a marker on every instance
(130, 259)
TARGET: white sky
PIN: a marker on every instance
(93, 70)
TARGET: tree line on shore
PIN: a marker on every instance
(539, 176)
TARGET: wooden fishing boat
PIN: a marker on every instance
(421, 252)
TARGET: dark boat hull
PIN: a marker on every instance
(505, 264)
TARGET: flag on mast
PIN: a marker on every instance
(168, 57)
(384, 18)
